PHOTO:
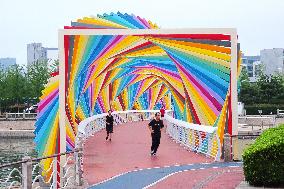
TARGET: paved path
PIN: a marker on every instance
(125, 161)
(147, 178)
(225, 176)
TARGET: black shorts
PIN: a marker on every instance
(162, 115)
(109, 128)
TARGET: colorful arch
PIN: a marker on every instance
(188, 72)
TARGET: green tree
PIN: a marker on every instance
(244, 78)
(277, 87)
(270, 88)
(20, 87)
(37, 76)
(14, 84)
(2, 89)
(54, 66)
(249, 92)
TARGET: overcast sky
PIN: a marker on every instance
(260, 23)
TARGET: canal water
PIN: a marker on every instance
(13, 150)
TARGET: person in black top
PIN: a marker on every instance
(155, 126)
(109, 125)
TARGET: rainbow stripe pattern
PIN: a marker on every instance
(189, 73)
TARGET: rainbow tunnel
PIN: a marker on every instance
(189, 73)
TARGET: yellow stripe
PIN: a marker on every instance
(100, 22)
(208, 114)
(52, 87)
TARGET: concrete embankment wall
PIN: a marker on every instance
(17, 128)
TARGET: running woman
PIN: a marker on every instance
(109, 125)
(155, 127)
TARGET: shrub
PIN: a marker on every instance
(266, 108)
(264, 160)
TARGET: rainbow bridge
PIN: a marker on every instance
(126, 64)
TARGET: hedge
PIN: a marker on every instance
(264, 159)
(266, 108)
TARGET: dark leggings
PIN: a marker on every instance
(155, 141)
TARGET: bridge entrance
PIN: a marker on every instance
(122, 62)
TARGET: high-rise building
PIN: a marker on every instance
(51, 54)
(272, 60)
(5, 63)
(251, 64)
(35, 52)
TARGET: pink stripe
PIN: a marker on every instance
(70, 142)
(204, 91)
(101, 104)
(213, 101)
(132, 79)
(111, 43)
(44, 102)
(150, 96)
(137, 20)
(144, 22)
(169, 73)
(139, 87)
(201, 91)
(213, 93)
(90, 73)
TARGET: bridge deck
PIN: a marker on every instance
(129, 150)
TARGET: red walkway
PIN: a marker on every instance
(129, 150)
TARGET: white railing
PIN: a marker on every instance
(280, 113)
(19, 116)
(197, 138)
(96, 123)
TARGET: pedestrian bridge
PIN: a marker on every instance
(125, 162)
(122, 62)
(188, 157)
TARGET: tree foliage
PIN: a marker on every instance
(21, 86)
(266, 90)
(37, 76)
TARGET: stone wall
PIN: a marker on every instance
(17, 125)
(17, 134)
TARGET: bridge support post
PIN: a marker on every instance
(78, 159)
(27, 172)
(227, 147)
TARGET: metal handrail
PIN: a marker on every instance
(38, 159)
